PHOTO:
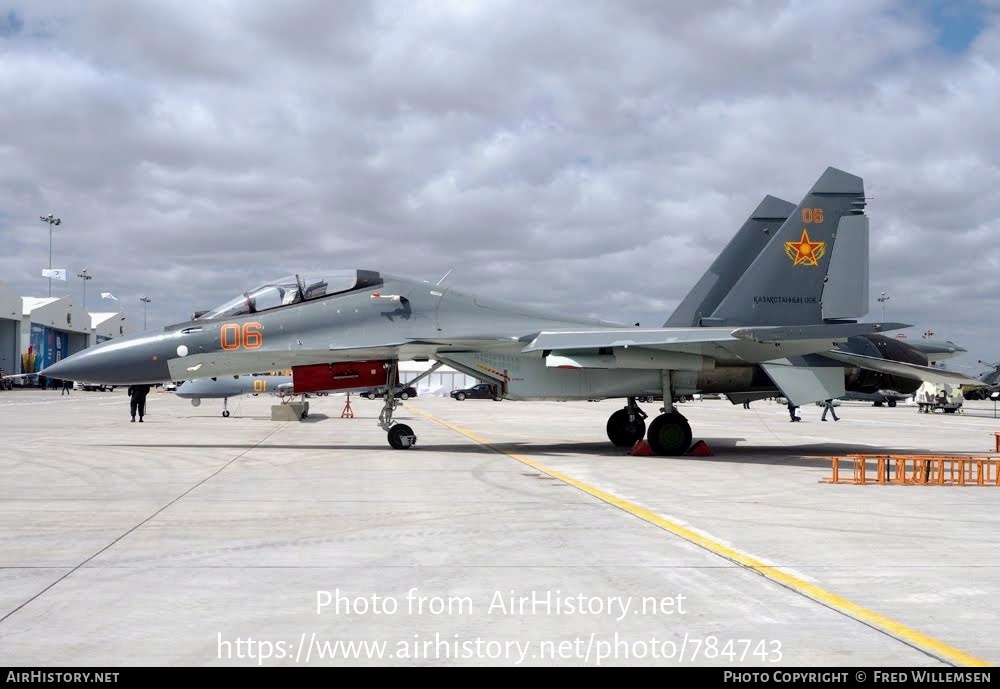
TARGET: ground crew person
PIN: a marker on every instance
(137, 403)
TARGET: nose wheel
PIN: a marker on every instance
(225, 407)
(401, 436)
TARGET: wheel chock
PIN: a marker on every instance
(701, 449)
(641, 449)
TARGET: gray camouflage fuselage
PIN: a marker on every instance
(774, 325)
(482, 337)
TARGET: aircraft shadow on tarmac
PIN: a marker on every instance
(725, 449)
(374, 448)
(311, 418)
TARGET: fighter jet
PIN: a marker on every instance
(988, 383)
(785, 324)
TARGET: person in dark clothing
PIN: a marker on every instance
(67, 386)
(828, 407)
(138, 393)
(791, 412)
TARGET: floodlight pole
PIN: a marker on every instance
(85, 278)
(51, 220)
(882, 300)
(144, 300)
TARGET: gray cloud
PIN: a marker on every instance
(591, 156)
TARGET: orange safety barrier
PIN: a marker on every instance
(939, 470)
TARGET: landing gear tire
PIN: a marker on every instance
(670, 434)
(401, 437)
(225, 413)
(891, 403)
(621, 433)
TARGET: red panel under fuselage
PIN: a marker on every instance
(341, 376)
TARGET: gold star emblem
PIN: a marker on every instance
(805, 251)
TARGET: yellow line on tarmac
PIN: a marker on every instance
(832, 600)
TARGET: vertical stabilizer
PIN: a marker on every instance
(845, 294)
(785, 283)
(730, 265)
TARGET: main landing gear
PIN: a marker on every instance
(627, 426)
(669, 433)
(401, 436)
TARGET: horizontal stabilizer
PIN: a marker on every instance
(741, 397)
(927, 374)
(805, 384)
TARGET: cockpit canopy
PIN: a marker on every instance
(293, 289)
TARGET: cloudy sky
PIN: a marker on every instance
(586, 154)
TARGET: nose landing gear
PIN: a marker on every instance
(401, 436)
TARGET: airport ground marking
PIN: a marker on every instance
(897, 630)
(155, 514)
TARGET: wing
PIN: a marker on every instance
(746, 344)
(787, 353)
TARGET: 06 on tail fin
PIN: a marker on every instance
(813, 269)
(730, 265)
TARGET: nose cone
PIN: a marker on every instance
(140, 358)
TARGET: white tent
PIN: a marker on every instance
(438, 384)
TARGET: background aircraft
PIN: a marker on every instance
(935, 352)
(789, 322)
(989, 382)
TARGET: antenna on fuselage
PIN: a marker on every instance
(445, 276)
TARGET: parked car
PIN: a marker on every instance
(483, 391)
(404, 394)
(90, 387)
